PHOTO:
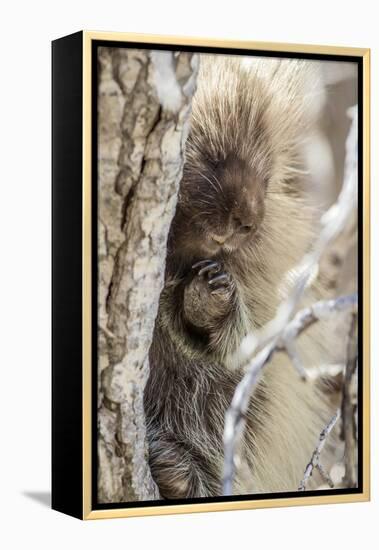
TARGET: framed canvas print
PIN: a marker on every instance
(210, 275)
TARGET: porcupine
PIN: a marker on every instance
(241, 224)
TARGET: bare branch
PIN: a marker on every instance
(332, 223)
(279, 334)
(315, 460)
(235, 417)
(325, 475)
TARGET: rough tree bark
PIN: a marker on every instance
(144, 101)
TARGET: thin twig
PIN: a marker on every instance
(315, 460)
(325, 475)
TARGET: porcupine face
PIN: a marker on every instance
(221, 206)
(240, 180)
(221, 203)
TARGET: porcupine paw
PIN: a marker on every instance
(216, 279)
(208, 294)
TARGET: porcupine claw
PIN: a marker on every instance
(217, 280)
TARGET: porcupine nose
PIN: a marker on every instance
(243, 225)
(247, 217)
(239, 225)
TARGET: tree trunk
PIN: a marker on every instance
(144, 101)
